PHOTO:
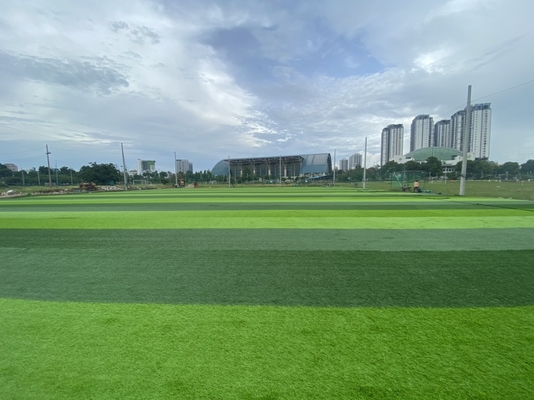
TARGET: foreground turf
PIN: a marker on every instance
(266, 294)
(69, 350)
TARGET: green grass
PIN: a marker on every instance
(76, 350)
(266, 293)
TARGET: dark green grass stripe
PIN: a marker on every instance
(112, 241)
(167, 274)
(32, 207)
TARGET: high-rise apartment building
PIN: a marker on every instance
(422, 132)
(479, 140)
(442, 134)
(184, 166)
(145, 166)
(479, 132)
(355, 161)
(344, 165)
(457, 130)
(392, 142)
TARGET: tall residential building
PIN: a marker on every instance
(457, 130)
(344, 165)
(355, 161)
(479, 132)
(442, 134)
(392, 142)
(183, 166)
(422, 132)
(479, 140)
(145, 166)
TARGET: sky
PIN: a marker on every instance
(216, 79)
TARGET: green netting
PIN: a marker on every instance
(406, 179)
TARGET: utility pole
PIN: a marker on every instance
(229, 172)
(280, 174)
(48, 161)
(175, 170)
(22, 172)
(365, 163)
(38, 178)
(71, 183)
(57, 184)
(467, 136)
(125, 176)
(334, 172)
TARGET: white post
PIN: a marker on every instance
(334, 173)
(467, 136)
(365, 163)
(48, 161)
(124, 169)
(175, 170)
(280, 167)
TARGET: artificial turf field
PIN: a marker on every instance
(273, 293)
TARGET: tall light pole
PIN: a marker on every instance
(48, 161)
(467, 136)
(175, 171)
(334, 172)
(365, 163)
(124, 174)
(280, 167)
(229, 173)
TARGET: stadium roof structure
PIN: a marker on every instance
(296, 165)
(441, 153)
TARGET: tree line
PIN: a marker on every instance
(433, 168)
(100, 174)
(109, 174)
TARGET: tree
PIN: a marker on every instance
(5, 171)
(528, 167)
(433, 166)
(101, 174)
(413, 166)
(509, 168)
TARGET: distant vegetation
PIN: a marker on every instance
(109, 174)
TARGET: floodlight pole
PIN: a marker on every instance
(175, 170)
(124, 169)
(334, 172)
(280, 167)
(229, 174)
(48, 161)
(467, 136)
(365, 163)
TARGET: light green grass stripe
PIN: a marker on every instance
(247, 196)
(281, 213)
(103, 351)
(176, 220)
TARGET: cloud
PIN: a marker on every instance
(250, 78)
(85, 75)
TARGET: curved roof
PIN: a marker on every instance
(441, 153)
(221, 168)
(311, 163)
(316, 163)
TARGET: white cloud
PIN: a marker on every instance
(140, 72)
